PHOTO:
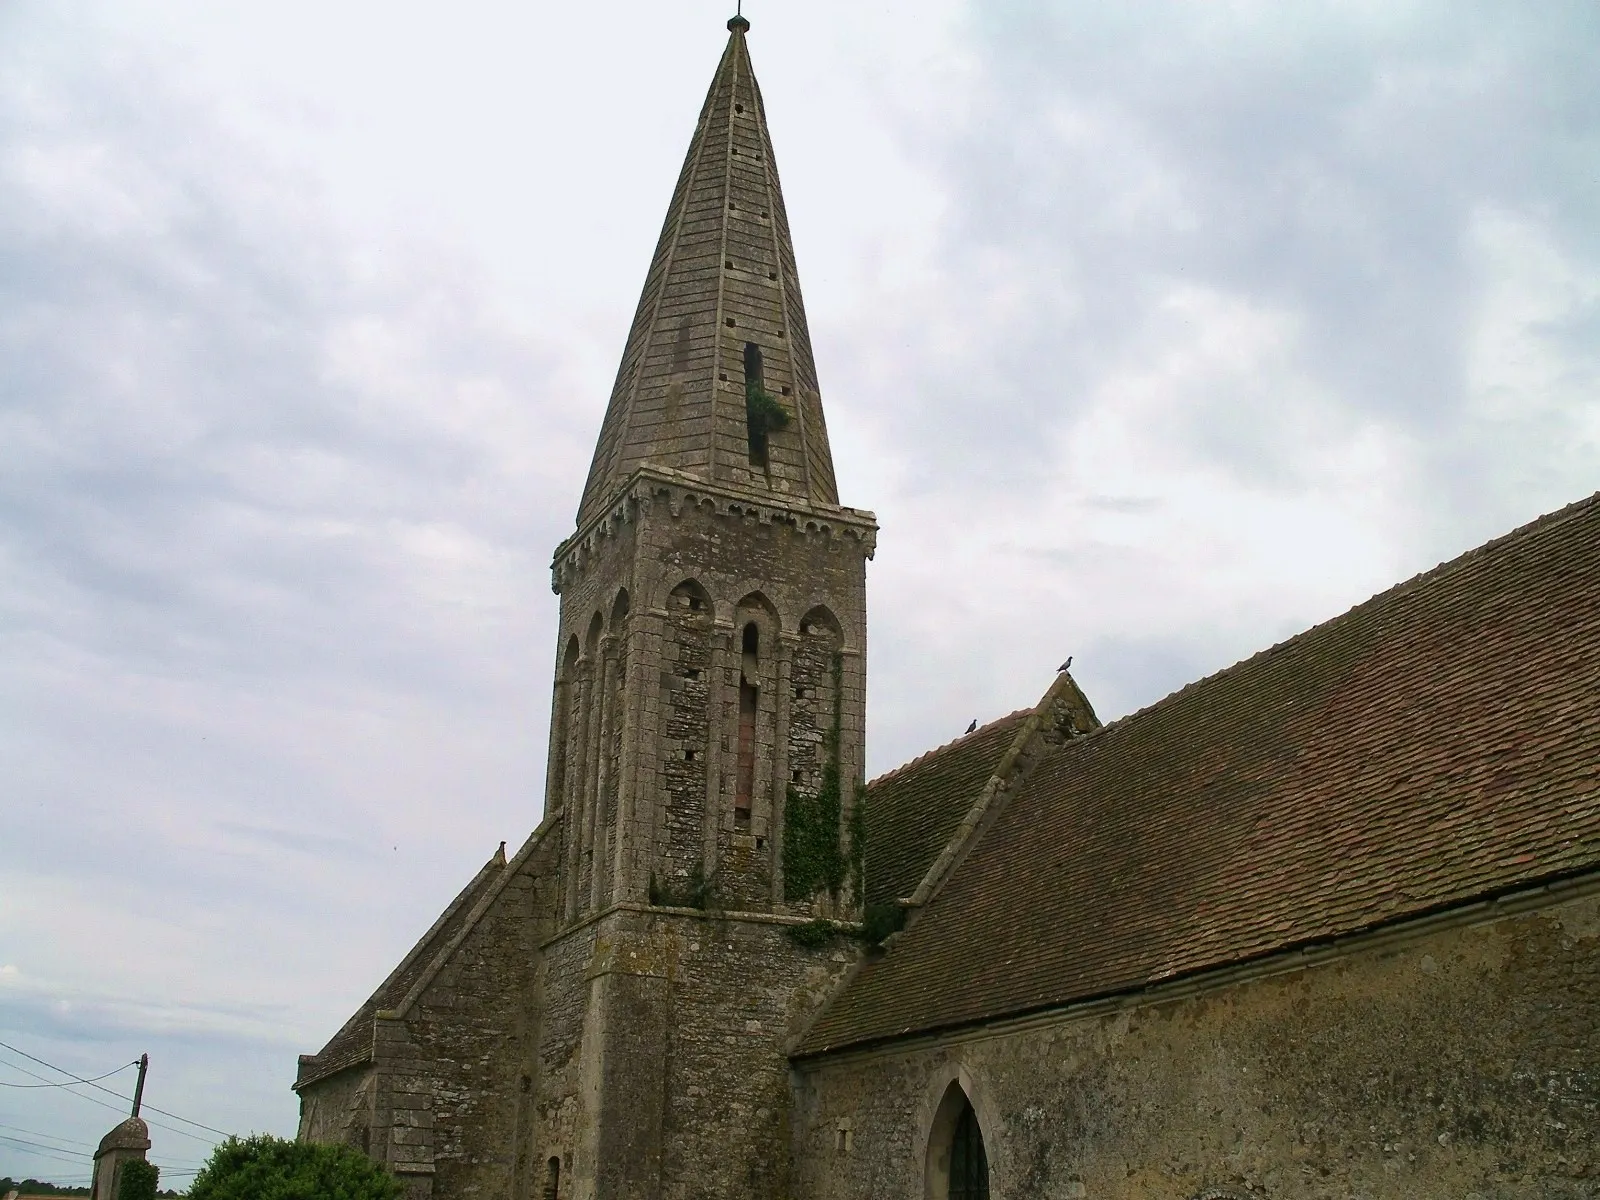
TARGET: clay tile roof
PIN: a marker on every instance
(1436, 745)
(352, 1045)
(913, 811)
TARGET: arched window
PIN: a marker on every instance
(552, 1179)
(957, 1163)
(969, 1164)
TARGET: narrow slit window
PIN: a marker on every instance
(764, 413)
(749, 701)
(755, 424)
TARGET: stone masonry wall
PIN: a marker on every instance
(673, 782)
(685, 728)
(338, 1110)
(561, 1125)
(1451, 1064)
(663, 1072)
(458, 1067)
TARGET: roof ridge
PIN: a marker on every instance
(1013, 766)
(1439, 570)
(508, 872)
(1009, 773)
(362, 1013)
(927, 754)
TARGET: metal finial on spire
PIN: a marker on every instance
(737, 22)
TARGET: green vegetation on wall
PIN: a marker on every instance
(881, 920)
(813, 935)
(695, 892)
(812, 857)
(762, 409)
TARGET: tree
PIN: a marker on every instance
(263, 1167)
(138, 1180)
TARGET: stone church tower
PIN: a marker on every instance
(713, 606)
(1326, 922)
(607, 1014)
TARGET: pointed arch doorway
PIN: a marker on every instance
(958, 1161)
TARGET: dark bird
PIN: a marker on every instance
(1064, 665)
(971, 727)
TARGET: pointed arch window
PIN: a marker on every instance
(969, 1163)
(958, 1161)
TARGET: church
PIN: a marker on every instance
(1323, 924)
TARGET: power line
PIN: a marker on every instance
(57, 1152)
(70, 1092)
(49, 1137)
(96, 1079)
(118, 1095)
(102, 1103)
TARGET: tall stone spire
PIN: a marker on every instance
(720, 314)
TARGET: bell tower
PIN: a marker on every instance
(707, 727)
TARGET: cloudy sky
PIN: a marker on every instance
(1152, 333)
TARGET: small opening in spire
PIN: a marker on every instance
(738, 108)
(754, 415)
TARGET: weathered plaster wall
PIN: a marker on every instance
(1452, 1063)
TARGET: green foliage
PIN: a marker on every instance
(37, 1187)
(880, 921)
(138, 1180)
(813, 935)
(262, 1167)
(762, 409)
(695, 892)
(812, 857)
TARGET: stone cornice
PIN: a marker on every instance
(678, 490)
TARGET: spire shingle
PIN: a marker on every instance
(723, 277)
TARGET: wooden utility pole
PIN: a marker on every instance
(138, 1088)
